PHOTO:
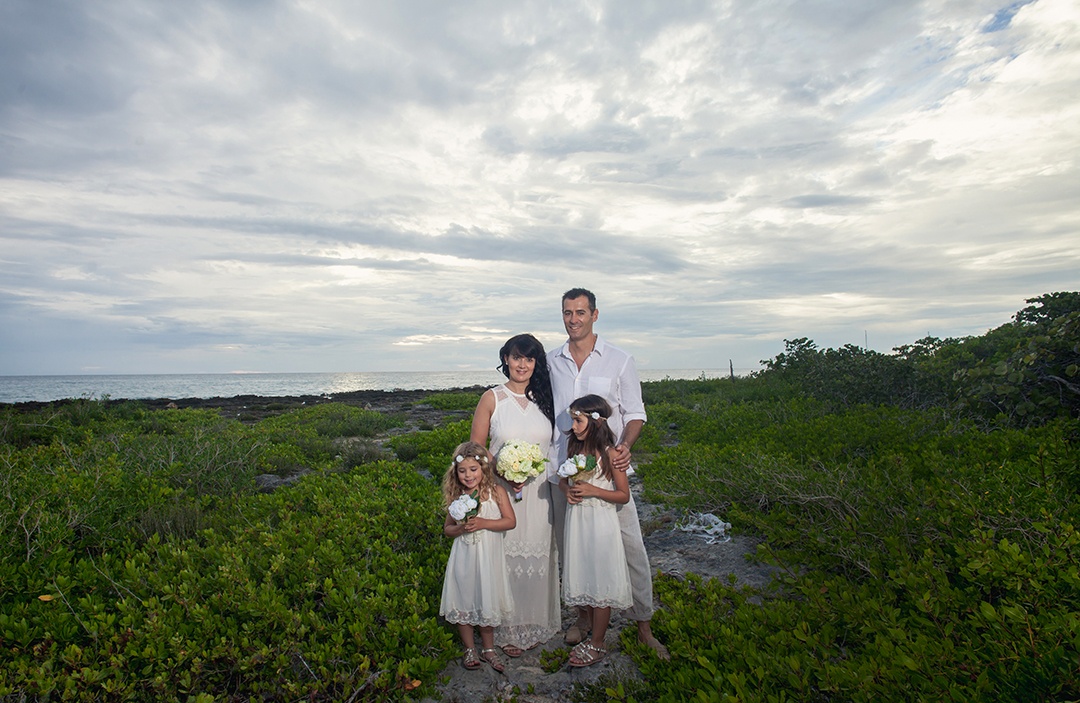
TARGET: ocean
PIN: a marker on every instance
(21, 389)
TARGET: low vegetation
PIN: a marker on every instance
(921, 506)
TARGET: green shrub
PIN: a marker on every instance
(432, 450)
(327, 589)
(452, 401)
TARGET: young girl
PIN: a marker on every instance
(595, 573)
(476, 591)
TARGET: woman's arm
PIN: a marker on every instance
(481, 420)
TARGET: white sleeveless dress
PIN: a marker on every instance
(532, 561)
(475, 588)
(594, 569)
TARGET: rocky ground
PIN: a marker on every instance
(671, 551)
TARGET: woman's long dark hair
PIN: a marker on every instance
(539, 388)
(600, 437)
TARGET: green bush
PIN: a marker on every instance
(432, 450)
(452, 401)
(324, 590)
(921, 556)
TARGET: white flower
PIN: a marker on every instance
(462, 506)
(575, 464)
(519, 461)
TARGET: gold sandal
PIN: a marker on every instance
(469, 660)
(586, 654)
(492, 657)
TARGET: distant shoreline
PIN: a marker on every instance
(254, 407)
(214, 387)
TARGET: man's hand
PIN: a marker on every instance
(620, 457)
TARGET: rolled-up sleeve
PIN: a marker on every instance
(630, 401)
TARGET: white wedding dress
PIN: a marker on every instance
(531, 556)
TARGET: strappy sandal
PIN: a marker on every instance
(586, 654)
(492, 657)
(512, 651)
(469, 660)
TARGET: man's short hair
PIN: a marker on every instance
(575, 293)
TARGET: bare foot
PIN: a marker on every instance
(658, 647)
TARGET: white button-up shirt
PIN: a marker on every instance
(608, 372)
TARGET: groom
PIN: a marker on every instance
(587, 364)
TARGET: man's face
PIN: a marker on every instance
(578, 318)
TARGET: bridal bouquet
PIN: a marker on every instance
(518, 461)
(464, 507)
(578, 467)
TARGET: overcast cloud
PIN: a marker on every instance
(356, 186)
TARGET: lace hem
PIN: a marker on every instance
(615, 603)
(524, 636)
(470, 617)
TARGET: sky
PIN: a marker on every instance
(349, 186)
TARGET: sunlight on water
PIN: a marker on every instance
(19, 389)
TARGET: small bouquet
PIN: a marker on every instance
(578, 467)
(519, 461)
(464, 507)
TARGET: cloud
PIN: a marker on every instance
(362, 186)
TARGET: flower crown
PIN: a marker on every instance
(479, 457)
(594, 415)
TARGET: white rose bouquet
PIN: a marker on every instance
(464, 507)
(518, 461)
(579, 467)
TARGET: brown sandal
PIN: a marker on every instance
(512, 651)
(469, 660)
(492, 657)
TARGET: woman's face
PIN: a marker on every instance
(520, 367)
(469, 473)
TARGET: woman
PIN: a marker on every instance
(522, 408)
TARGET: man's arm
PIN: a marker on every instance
(633, 410)
(621, 457)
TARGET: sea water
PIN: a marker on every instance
(20, 389)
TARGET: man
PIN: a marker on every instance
(587, 364)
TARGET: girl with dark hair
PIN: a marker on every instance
(521, 409)
(595, 572)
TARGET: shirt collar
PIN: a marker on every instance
(598, 348)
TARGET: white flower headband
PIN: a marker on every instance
(594, 415)
(482, 459)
